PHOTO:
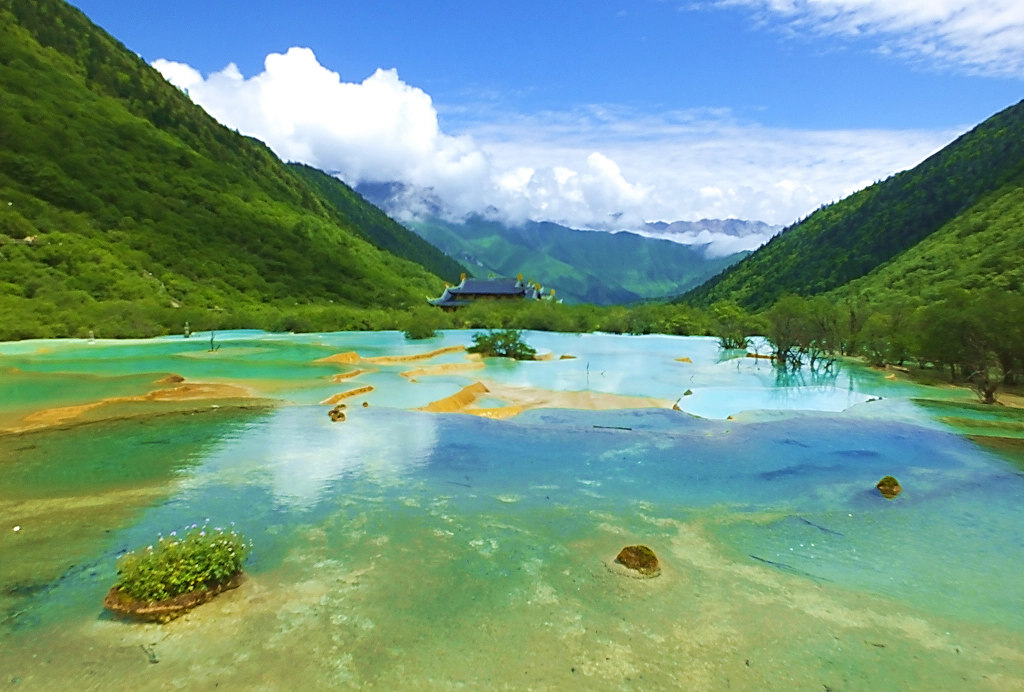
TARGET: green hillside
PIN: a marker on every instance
(980, 249)
(376, 227)
(965, 189)
(583, 266)
(126, 209)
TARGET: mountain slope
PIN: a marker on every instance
(983, 248)
(583, 266)
(372, 224)
(849, 239)
(125, 208)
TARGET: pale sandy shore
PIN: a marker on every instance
(352, 357)
(61, 415)
(1012, 400)
(392, 360)
(521, 399)
(342, 376)
(458, 402)
(347, 358)
(533, 397)
(1003, 398)
(341, 396)
(442, 369)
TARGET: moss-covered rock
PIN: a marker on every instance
(639, 558)
(889, 487)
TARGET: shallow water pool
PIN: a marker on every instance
(409, 550)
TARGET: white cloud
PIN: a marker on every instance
(692, 166)
(380, 128)
(717, 244)
(979, 36)
(599, 167)
(179, 74)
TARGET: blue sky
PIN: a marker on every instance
(594, 113)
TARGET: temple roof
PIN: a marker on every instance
(471, 289)
(492, 287)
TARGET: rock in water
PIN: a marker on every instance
(889, 487)
(337, 413)
(639, 558)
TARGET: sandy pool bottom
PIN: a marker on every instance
(435, 601)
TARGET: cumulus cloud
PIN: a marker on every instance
(383, 129)
(380, 128)
(598, 167)
(982, 37)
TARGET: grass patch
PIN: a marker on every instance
(199, 559)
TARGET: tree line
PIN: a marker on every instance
(974, 338)
(977, 337)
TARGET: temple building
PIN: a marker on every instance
(471, 290)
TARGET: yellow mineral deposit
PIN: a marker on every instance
(331, 400)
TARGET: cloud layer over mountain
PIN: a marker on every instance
(597, 167)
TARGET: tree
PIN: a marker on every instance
(422, 322)
(506, 343)
(978, 335)
(787, 329)
(822, 337)
(731, 324)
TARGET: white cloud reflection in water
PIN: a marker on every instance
(299, 456)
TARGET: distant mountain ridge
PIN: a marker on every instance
(968, 188)
(583, 266)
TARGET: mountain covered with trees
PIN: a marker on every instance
(583, 266)
(925, 268)
(126, 210)
(953, 221)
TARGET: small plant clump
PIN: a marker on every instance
(201, 558)
(421, 324)
(505, 343)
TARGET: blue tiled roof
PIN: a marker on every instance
(465, 292)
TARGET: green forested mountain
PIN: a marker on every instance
(967, 195)
(126, 209)
(926, 267)
(583, 266)
(978, 250)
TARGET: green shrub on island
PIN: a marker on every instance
(505, 343)
(202, 558)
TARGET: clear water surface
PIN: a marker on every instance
(410, 550)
